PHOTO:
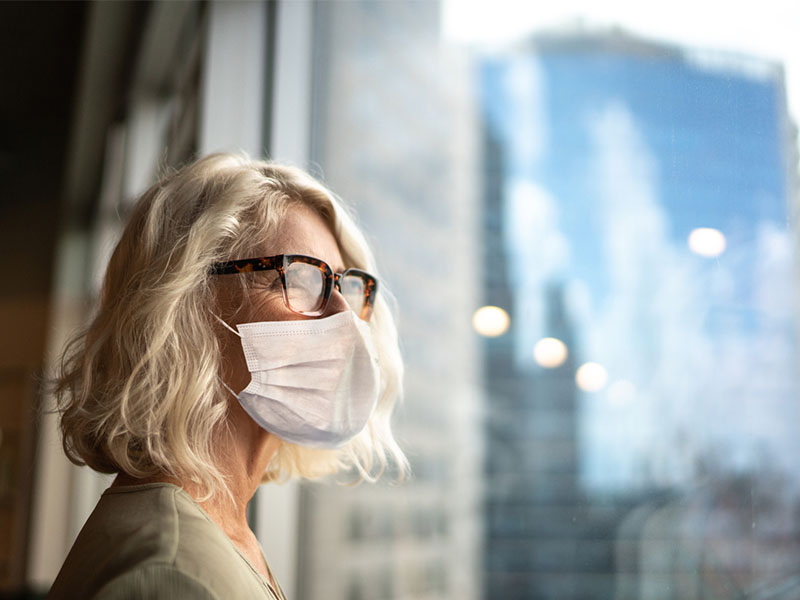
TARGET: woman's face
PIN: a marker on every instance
(303, 231)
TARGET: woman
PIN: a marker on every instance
(240, 338)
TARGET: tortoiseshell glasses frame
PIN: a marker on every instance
(282, 263)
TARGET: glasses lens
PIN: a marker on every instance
(305, 286)
(352, 287)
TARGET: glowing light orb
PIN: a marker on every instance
(591, 377)
(550, 352)
(490, 321)
(707, 242)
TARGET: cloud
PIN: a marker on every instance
(649, 332)
(537, 251)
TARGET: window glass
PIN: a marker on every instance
(589, 235)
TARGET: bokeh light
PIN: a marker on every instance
(707, 242)
(591, 377)
(490, 321)
(550, 352)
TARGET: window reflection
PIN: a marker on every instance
(587, 237)
(616, 151)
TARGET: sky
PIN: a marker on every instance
(765, 29)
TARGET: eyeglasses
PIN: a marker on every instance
(307, 282)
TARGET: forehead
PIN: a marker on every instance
(304, 231)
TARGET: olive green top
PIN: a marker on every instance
(154, 541)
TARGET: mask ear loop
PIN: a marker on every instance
(228, 327)
(232, 330)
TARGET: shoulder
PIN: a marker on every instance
(128, 528)
(155, 581)
(153, 536)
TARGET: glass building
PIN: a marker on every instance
(635, 210)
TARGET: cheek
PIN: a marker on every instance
(269, 306)
(232, 362)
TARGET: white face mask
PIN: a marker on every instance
(315, 382)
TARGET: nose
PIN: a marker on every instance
(336, 304)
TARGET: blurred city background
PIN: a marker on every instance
(588, 220)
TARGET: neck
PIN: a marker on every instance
(243, 456)
(244, 461)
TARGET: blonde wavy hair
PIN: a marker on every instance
(140, 392)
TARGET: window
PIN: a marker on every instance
(627, 427)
